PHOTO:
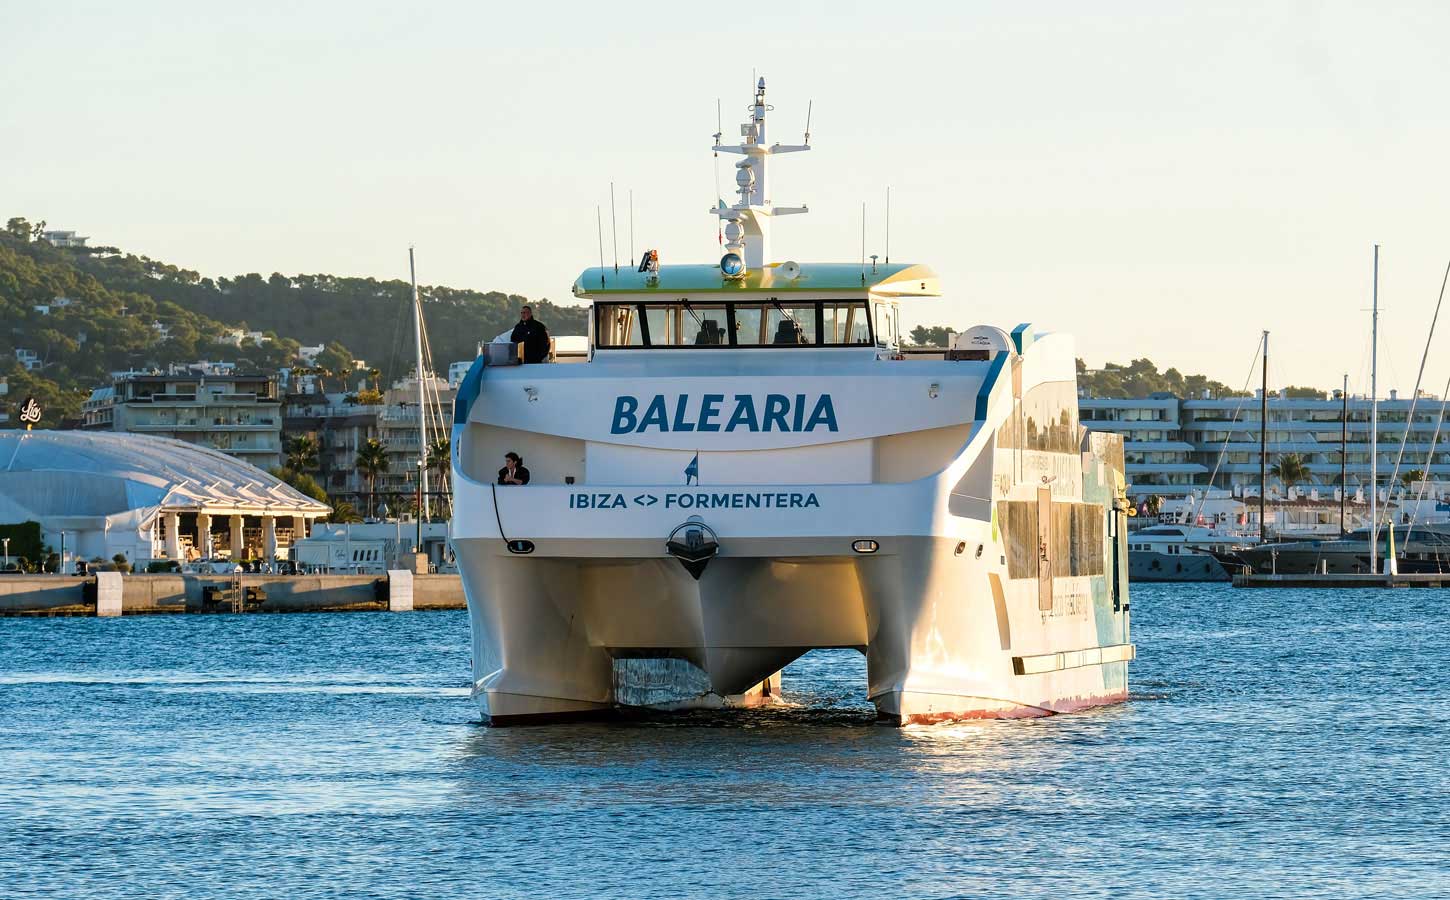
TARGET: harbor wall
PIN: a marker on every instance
(22, 595)
(45, 594)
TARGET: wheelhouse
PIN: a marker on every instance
(695, 307)
(772, 322)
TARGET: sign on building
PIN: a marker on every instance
(30, 412)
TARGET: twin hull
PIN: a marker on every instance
(997, 586)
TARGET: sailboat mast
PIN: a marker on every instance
(422, 401)
(1374, 416)
(1264, 437)
(1343, 451)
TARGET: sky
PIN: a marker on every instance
(1158, 179)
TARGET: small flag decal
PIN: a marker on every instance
(692, 471)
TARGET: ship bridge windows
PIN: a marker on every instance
(774, 324)
(620, 326)
(885, 325)
(764, 323)
(846, 323)
(705, 325)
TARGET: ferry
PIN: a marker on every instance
(747, 466)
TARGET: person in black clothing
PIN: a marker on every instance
(513, 471)
(533, 335)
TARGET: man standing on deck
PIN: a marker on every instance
(533, 335)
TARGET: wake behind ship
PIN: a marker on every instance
(747, 468)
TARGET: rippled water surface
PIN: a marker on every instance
(1278, 744)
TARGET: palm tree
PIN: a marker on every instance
(1290, 469)
(1412, 476)
(301, 452)
(343, 511)
(372, 460)
(440, 462)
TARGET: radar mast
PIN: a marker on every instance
(747, 222)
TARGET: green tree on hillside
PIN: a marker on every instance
(1141, 378)
(931, 336)
(335, 361)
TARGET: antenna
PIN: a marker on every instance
(613, 228)
(631, 226)
(599, 223)
(863, 241)
(719, 128)
(888, 224)
(810, 104)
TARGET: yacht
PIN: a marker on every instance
(1181, 553)
(1416, 548)
(747, 466)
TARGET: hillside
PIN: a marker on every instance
(1141, 378)
(122, 311)
(371, 318)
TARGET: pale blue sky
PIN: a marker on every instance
(1159, 179)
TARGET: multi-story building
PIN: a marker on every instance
(343, 425)
(1175, 446)
(240, 415)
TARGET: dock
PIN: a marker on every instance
(1349, 580)
(114, 594)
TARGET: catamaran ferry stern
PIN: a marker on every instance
(747, 468)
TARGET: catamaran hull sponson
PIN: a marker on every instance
(554, 636)
(997, 587)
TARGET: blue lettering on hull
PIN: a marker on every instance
(780, 412)
(700, 500)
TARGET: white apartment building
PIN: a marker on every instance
(240, 415)
(1173, 446)
(342, 428)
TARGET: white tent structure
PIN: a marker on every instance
(147, 497)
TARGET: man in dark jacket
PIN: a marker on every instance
(533, 335)
(513, 471)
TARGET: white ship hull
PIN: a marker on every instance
(598, 615)
(746, 468)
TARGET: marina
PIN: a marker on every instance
(497, 451)
(1258, 756)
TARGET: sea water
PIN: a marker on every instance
(1278, 743)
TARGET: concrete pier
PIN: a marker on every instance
(400, 590)
(114, 594)
(110, 594)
